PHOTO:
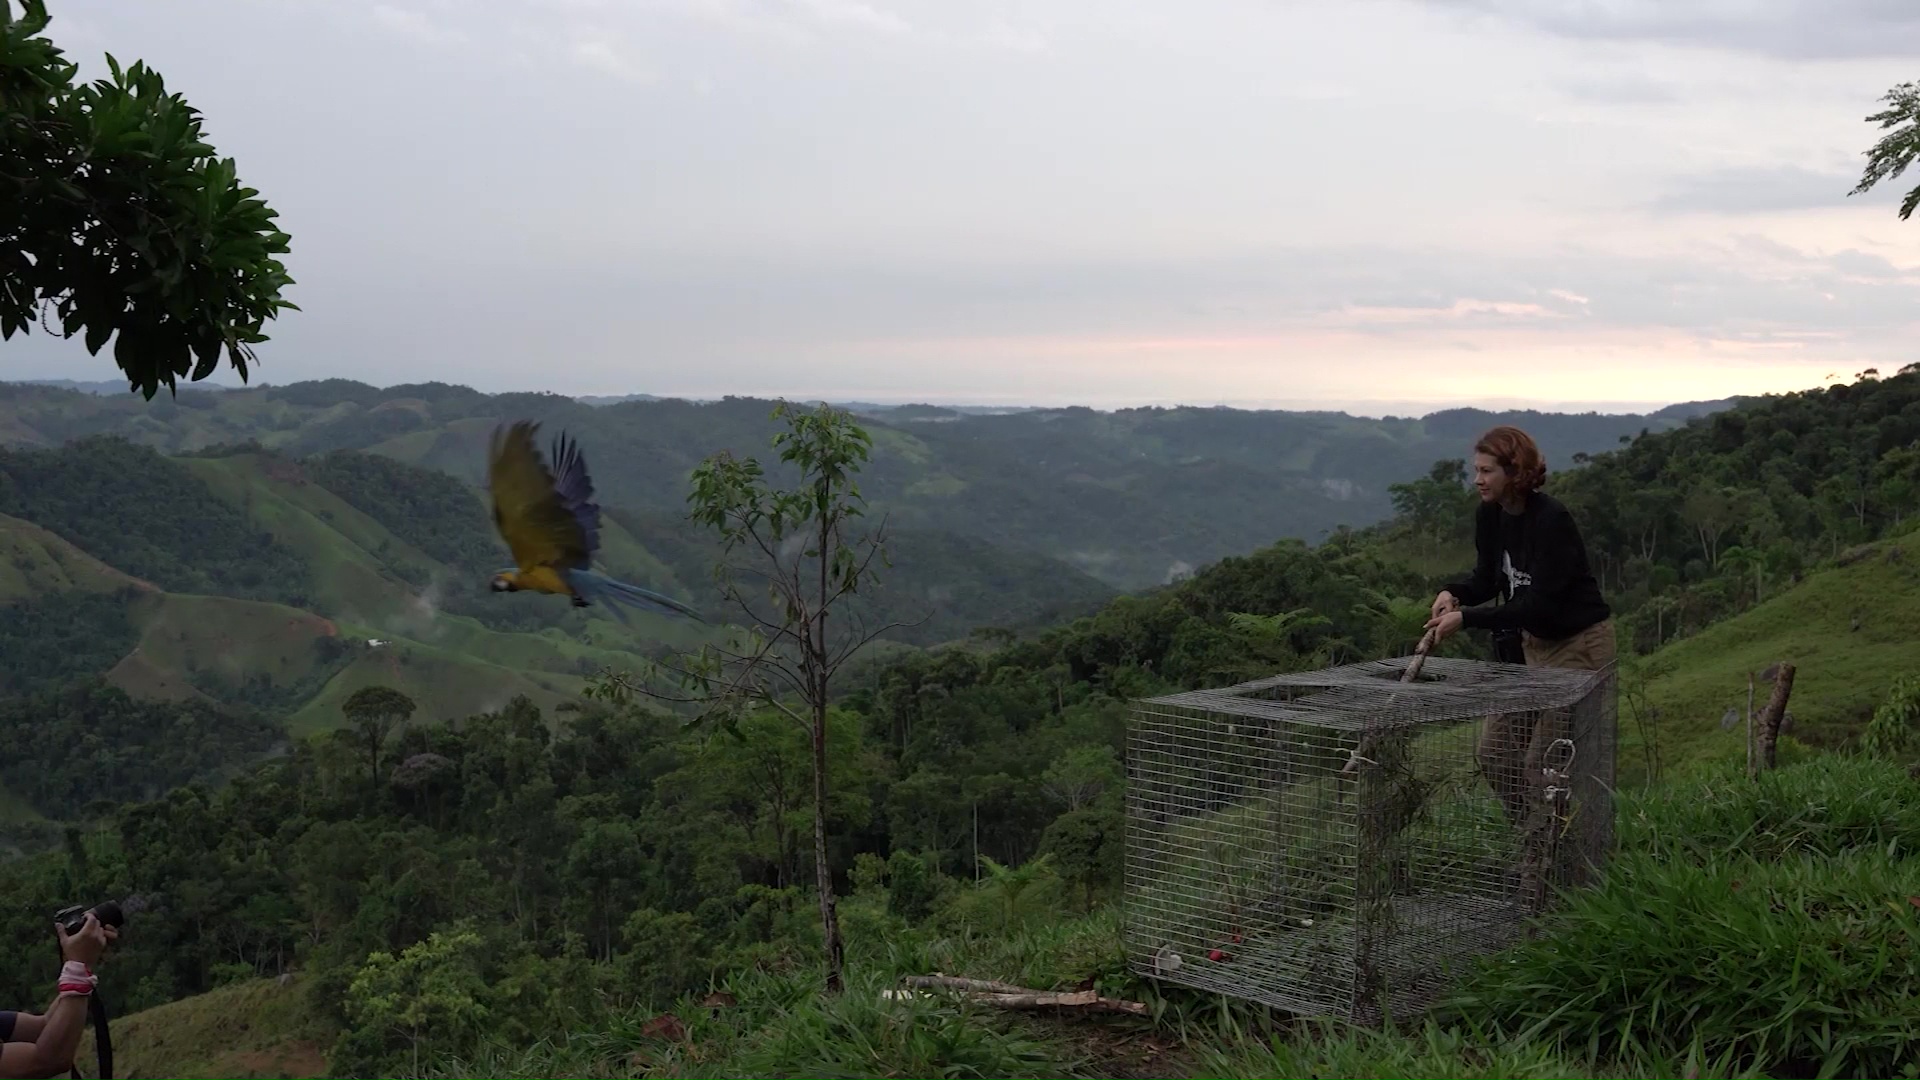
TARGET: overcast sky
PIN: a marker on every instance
(1298, 203)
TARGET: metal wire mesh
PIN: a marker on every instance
(1338, 842)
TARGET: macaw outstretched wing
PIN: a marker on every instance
(575, 489)
(538, 518)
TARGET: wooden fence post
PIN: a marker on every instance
(1770, 718)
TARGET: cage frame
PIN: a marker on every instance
(1362, 706)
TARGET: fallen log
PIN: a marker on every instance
(955, 982)
(1009, 996)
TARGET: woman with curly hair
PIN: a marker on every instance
(1531, 557)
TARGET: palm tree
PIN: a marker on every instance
(1012, 882)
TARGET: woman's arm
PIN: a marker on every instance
(45, 1046)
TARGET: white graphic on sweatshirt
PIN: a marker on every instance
(1516, 579)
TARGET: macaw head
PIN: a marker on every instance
(506, 581)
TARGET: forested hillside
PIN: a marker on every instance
(1132, 497)
(239, 590)
(582, 859)
(302, 551)
(573, 867)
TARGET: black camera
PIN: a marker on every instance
(1508, 647)
(71, 919)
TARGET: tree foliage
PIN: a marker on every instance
(1888, 158)
(118, 219)
(801, 559)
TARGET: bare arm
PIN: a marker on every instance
(45, 1045)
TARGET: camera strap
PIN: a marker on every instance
(102, 1038)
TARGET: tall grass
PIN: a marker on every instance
(1772, 923)
(1764, 928)
(781, 1025)
(1437, 1051)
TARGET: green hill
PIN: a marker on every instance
(1849, 630)
(253, 584)
(34, 560)
(260, 1028)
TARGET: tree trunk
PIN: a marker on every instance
(1770, 718)
(823, 872)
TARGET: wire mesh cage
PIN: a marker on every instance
(1339, 842)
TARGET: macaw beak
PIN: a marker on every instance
(502, 583)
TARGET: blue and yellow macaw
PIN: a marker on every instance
(553, 526)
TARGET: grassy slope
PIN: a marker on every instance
(336, 540)
(452, 665)
(1841, 674)
(361, 567)
(34, 560)
(446, 685)
(258, 1028)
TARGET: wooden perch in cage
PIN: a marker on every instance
(1009, 996)
(1412, 672)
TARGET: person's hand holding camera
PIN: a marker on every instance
(85, 945)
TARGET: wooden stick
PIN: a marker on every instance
(1411, 673)
(1420, 652)
(1770, 718)
(955, 982)
(1008, 996)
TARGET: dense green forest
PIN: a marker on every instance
(567, 867)
(104, 495)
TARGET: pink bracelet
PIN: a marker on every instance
(76, 978)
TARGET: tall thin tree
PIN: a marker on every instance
(791, 560)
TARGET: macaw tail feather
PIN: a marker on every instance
(592, 586)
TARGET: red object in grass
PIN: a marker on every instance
(1216, 955)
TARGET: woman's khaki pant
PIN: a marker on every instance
(1513, 746)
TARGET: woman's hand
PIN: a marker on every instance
(1443, 603)
(85, 945)
(1444, 625)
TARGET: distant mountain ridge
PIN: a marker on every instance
(928, 410)
(1132, 497)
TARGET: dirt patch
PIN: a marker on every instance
(1110, 1048)
(284, 471)
(141, 678)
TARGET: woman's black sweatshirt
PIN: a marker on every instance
(1536, 562)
